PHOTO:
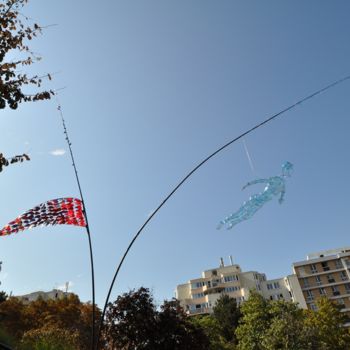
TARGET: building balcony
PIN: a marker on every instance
(302, 274)
(325, 285)
(217, 288)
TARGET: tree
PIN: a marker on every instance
(254, 323)
(227, 314)
(14, 35)
(49, 338)
(286, 329)
(325, 327)
(12, 319)
(133, 322)
(3, 296)
(212, 330)
(175, 330)
(270, 325)
(41, 323)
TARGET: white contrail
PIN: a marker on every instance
(248, 156)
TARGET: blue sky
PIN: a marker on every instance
(152, 88)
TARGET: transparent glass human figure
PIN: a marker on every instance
(275, 186)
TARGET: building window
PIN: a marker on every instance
(343, 276)
(309, 295)
(231, 278)
(338, 264)
(231, 289)
(330, 279)
(347, 288)
(276, 285)
(192, 307)
(197, 285)
(322, 291)
(335, 291)
(306, 282)
(318, 280)
(313, 268)
(325, 266)
(198, 295)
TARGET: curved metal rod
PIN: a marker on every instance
(87, 226)
(189, 174)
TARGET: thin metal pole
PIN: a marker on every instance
(87, 226)
(189, 174)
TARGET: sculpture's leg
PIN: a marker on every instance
(238, 217)
(245, 212)
(232, 220)
(223, 223)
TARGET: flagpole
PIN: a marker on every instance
(87, 225)
(269, 119)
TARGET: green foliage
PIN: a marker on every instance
(286, 327)
(325, 327)
(213, 331)
(227, 315)
(176, 331)
(133, 322)
(14, 36)
(50, 339)
(271, 325)
(254, 323)
(6, 339)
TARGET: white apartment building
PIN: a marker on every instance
(199, 295)
(51, 295)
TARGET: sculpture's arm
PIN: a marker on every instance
(258, 181)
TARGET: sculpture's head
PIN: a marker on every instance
(287, 169)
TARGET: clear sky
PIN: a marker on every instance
(153, 87)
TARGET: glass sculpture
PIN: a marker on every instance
(275, 186)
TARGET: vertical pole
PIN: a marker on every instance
(87, 226)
